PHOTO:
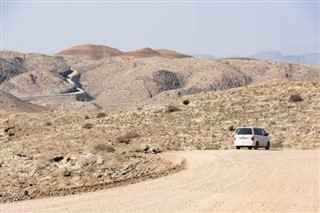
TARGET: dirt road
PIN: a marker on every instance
(213, 181)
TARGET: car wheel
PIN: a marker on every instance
(250, 147)
(257, 145)
(268, 146)
(237, 147)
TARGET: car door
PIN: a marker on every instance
(264, 137)
(257, 136)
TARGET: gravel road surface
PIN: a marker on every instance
(213, 181)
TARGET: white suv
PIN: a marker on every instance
(251, 137)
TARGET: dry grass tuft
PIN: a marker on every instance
(104, 147)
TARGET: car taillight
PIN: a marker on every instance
(252, 138)
(234, 138)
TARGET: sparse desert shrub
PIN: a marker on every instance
(103, 147)
(101, 115)
(48, 123)
(231, 128)
(295, 98)
(212, 147)
(172, 108)
(87, 126)
(86, 117)
(127, 137)
(186, 102)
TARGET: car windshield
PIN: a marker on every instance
(244, 131)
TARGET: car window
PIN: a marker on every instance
(263, 132)
(244, 131)
(256, 131)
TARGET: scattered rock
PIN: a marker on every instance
(127, 137)
(186, 102)
(57, 158)
(66, 173)
(87, 126)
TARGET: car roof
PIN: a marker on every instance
(249, 127)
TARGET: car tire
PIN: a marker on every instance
(250, 147)
(257, 145)
(237, 147)
(268, 146)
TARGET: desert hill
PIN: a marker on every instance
(15, 63)
(144, 52)
(129, 109)
(91, 51)
(65, 151)
(11, 103)
(102, 52)
(122, 81)
(172, 54)
(35, 83)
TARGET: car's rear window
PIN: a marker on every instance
(244, 131)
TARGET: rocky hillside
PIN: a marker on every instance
(122, 81)
(14, 63)
(65, 151)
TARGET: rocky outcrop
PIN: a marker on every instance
(163, 80)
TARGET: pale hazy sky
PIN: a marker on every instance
(220, 28)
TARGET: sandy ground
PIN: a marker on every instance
(213, 181)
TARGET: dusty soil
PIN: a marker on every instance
(213, 181)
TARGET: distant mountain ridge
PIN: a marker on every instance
(309, 58)
(100, 51)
